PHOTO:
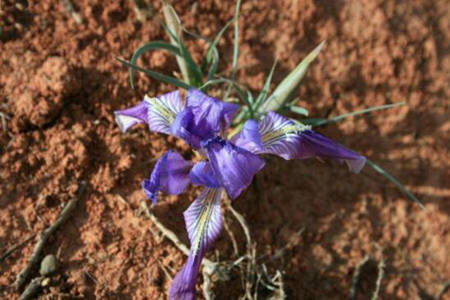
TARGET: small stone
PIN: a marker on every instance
(45, 282)
(49, 265)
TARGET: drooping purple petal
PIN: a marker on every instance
(249, 137)
(315, 144)
(218, 114)
(233, 166)
(202, 174)
(204, 224)
(162, 111)
(127, 118)
(290, 140)
(170, 175)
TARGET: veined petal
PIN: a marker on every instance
(218, 114)
(233, 166)
(315, 144)
(280, 136)
(127, 118)
(204, 224)
(290, 140)
(185, 128)
(162, 111)
(249, 137)
(202, 174)
(170, 175)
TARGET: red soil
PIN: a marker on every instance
(60, 83)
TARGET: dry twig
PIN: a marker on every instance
(32, 289)
(171, 235)
(38, 249)
(381, 267)
(15, 247)
(444, 289)
(356, 275)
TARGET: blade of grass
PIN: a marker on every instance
(287, 86)
(235, 46)
(358, 112)
(156, 45)
(157, 75)
(190, 70)
(266, 87)
(298, 110)
(212, 56)
(394, 181)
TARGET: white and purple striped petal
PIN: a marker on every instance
(162, 111)
(289, 140)
(234, 167)
(158, 112)
(204, 223)
(170, 175)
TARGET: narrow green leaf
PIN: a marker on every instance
(235, 46)
(266, 87)
(299, 110)
(358, 112)
(313, 121)
(156, 45)
(216, 40)
(284, 89)
(212, 56)
(174, 30)
(394, 181)
(157, 75)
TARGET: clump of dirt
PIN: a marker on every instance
(40, 101)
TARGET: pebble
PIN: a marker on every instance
(49, 265)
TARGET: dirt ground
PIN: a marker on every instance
(60, 83)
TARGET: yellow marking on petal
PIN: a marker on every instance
(203, 220)
(161, 109)
(295, 128)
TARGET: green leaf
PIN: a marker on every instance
(395, 181)
(313, 121)
(299, 110)
(235, 46)
(189, 69)
(358, 112)
(284, 89)
(156, 45)
(265, 89)
(157, 75)
(212, 56)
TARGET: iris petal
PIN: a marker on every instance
(233, 166)
(217, 114)
(185, 128)
(204, 224)
(127, 118)
(290, 140)
(315, 144)
(202, 174)
(249, 137)
(162, 111)
(170, 175)
(158, 112)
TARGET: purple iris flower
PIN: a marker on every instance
(226, 166)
